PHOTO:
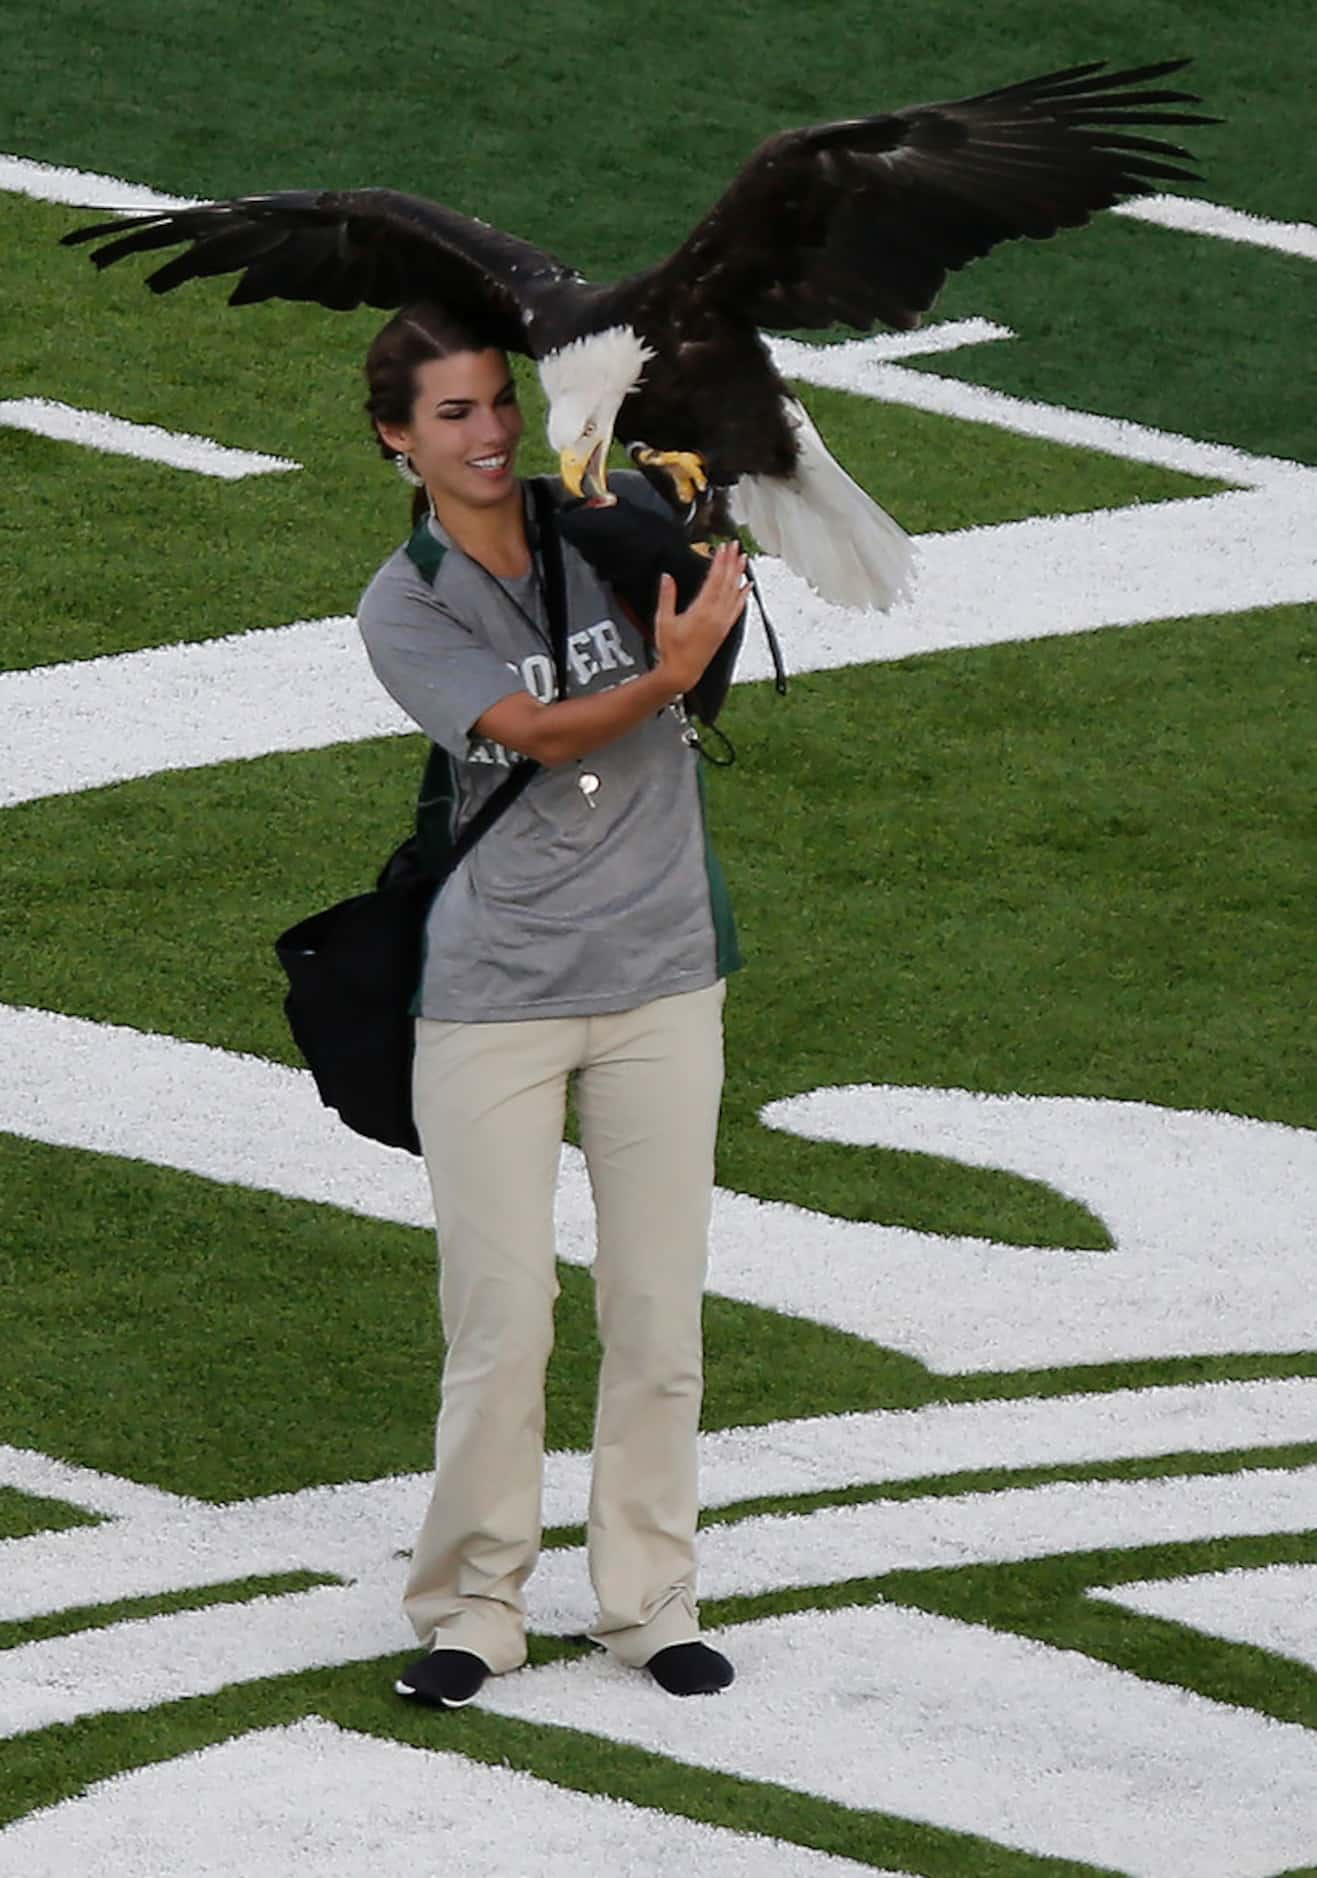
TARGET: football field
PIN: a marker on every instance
(1010, 1454)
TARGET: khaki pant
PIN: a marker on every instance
(489, 1102)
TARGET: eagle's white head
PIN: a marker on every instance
(586, 383)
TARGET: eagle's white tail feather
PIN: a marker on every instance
(824, 526)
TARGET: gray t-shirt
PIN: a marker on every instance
(572, 903)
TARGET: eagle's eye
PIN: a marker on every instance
(589, 428)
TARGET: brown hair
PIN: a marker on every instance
(415, 335)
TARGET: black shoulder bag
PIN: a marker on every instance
(353, 970)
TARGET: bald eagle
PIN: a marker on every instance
(849, 223)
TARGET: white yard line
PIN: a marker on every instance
(354, 1532)
(144, 1662)
(307, 685)
(186, 706)
(862, 366)
(924, 342)
(1053, 576)
(1031, 1747)
(97, 430)
(1271, 1607)
(785, 1551)
(49, 1478)
(52, 182)
(49, 182)
(827, 1452)
(783, 1459)
(233, 1118)
(1193, 217)
(363, 1805)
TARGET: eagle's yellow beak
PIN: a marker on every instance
(587, 474)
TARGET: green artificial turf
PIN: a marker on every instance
(1070, 867)
(1023, 867)
(22, 1514)
(1048, 1599)
(70, 1623)
(156, 1334)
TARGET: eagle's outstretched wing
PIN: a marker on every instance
(342, 249)
(862, 220)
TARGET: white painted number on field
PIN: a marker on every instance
(97, 430)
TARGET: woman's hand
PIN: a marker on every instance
(685, 642)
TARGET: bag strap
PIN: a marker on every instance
(555, 580)
(555, 600)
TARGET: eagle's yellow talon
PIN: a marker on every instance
(685, 467)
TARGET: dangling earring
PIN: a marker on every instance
(403, 464)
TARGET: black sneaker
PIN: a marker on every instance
(446, 1678)
(690, 1669)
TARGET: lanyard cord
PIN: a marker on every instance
(536, 626)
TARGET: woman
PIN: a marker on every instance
(580, 937)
